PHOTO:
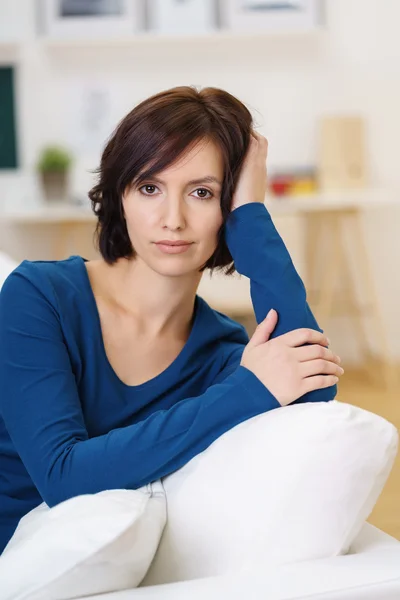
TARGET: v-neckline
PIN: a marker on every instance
(166, 373)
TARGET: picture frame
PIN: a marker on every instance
(182, 17)
(76, 19)
(271, 15)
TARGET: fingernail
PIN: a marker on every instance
(329, 341)
(269, 314)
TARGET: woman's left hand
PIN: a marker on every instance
(252, 183)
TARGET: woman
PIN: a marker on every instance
(113, 372)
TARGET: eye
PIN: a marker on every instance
(206, 191)
(147, 185)
(148, 190)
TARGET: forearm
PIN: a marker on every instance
(133, 456)
(261, 255)
(165, 441)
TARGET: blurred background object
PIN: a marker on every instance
(271, 15)
(341, 153)
(187, 17)
(88, 8)
(321, 79)
(74, 19)
(8, 137)
(296, 182)
(54, 165)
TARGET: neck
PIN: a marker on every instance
(162, 305)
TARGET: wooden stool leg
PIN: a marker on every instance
(387, 370)
(349, 296)
(330, 272)
(312, 245)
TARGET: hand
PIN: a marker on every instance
(252, 182)
(286, 367)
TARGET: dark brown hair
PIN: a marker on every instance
(153, 136)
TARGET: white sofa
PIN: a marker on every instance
(371, 571)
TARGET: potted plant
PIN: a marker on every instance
(53, 165)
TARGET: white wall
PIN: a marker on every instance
(287, 82)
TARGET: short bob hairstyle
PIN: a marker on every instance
(153, 136)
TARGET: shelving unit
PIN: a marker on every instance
(222, 35)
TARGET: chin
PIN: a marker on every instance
(173, 270)
(173, 266)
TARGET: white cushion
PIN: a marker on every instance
(7, 265)
(86, 545)
(294, 484)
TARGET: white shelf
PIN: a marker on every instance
(221, 35)
(10, 43)
(9, 48)
(48, 214)
(333, 200)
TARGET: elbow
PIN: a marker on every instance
(330, 395)
(322, 395)
(56, 491)
(52, 497)
(60, 483)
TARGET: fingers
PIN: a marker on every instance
(299, 337)
(264, 329)
(309, 384)
(305, 353)
(320, 367)
(259, 140)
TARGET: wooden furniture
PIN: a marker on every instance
(341, 152)
(65, 219)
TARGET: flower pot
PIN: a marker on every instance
(55, 186)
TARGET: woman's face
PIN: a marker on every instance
(178, 204)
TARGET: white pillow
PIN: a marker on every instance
(7, 265)
(87, 545)
(292, 484)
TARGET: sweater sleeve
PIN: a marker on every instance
(260, 254)
(42, 412)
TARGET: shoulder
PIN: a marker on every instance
(49, 279)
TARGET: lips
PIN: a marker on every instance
(173, 248)
(171, 243)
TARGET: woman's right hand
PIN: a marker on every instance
(287, 367)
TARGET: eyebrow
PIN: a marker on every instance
(206, 179)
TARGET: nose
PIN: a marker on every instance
(174, 215)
